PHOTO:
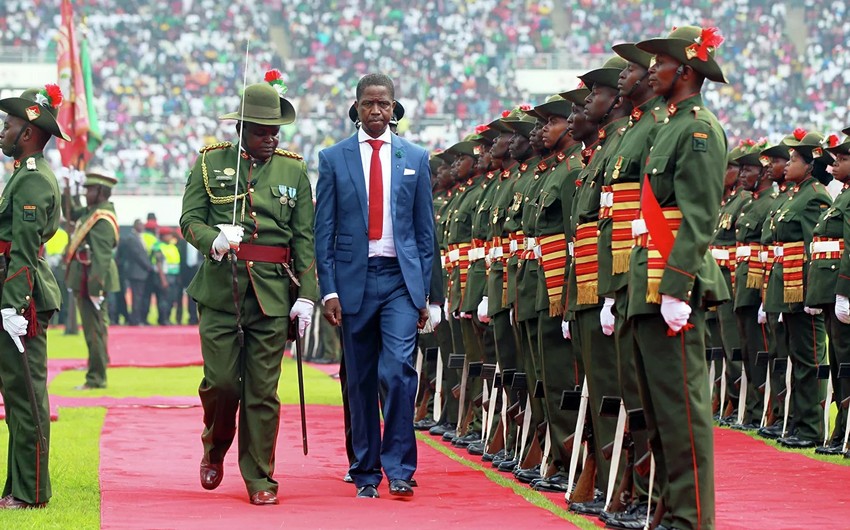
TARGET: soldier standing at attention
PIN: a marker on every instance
(92, 272)
(273, 241)
(29, 216)
(672, 276)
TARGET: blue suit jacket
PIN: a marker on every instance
(341, 229)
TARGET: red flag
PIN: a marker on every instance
(73, 115)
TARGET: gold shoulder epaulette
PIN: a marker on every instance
(290, 154)
(213, 147)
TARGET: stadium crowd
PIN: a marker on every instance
(163, 75)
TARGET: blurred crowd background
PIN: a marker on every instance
(165, 70)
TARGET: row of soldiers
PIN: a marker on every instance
(593, 217)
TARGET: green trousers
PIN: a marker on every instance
(532, 367)
(599, 358)
(95, 329)
(807, 341)
(27, 474)
(506, 356)
(778, 344)
(450, 340)
(754, 338)
(727, 325)
(672, 375)
(473, 346)
(839, 353)
(244, 383)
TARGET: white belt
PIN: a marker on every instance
(476, 254)
(570, 248)
(720, 253)
(530, 243)
(454, 255)
(763, 256)
(513, 245)
(744, 251)
(778, 251)
(825, 246)
(606, 199)
(497, 252)
(538, 252)
(639, 227)
(444, 261)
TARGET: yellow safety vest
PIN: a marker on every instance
(172, 258)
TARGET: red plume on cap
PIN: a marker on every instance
(709, 39)
(525, 107)
(749, 142)
(799, 133)
(53, 94)
(273, 75)
(480, 129)
(832, 141)
(506, 113)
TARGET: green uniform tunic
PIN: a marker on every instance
(29, 216)
(443, 333)
(275, 207)
(685, 171)
(749, 279)
(794, 223)
(839, 334)
(92, 272)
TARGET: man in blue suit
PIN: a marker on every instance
(374, 250)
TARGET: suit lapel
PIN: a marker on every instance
(355, 172)
(398, 161)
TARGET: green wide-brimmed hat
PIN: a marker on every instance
(750, 153)
(398, 113)
(809, 147)
(630, 52)
(576, 96)
(607, 75)
(690, 45)
(524, 125)
(39, 106)
(264, 104)
(468, 146)
(485, 131)
(780, 150)
(556, 106)
(732, 156)
(533, 110)
(100, 176)
(841, 148)
(435, 161)
(446, 156)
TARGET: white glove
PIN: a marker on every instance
(435, 315)
(606, 317)
(762, 316)
(812, 310)
(780, 318)
(842, 309)
(483, 307)
(229, 236)
(302, 309)
(15, 325)
(465, 315)
(565, 329)
(675, 312)
(96, 301)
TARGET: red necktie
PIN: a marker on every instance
(376, 192)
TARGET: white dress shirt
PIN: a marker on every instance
(384, 247)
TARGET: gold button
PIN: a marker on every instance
(255, 164)
(696, 108)
(832, 267)
(255, 236)
(654, 170)
(250, 263)
(666, 120)
(253, 214)
(27, 297)
(250, 190)
(23, 309)
(689, 294)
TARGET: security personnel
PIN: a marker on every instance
(621, 193)
(167, 262)
(793, 235)
(92, 272)
(839, 335)
(29, 216)
(54, 251)
(272, 238)
(672, 277)
(749, 277)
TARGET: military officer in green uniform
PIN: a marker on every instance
(793, 234)
(749, 277)
(272, 238)
(29, 216)
(672, 276)
(92, 272)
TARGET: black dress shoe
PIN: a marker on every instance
(449, 436)
(833, 449)
(347, 478)
(794, 442)
(442, 428)
(508, 466)
(745, 426)
(467, 439)
(400, 488)
(593, 507)
(368, 492)
(424, 424)
(262, 498)
(527, 476)
(545, 485)
(475, 448)
(211, 475)
(413, 482)
(11, 503)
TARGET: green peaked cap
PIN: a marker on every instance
(101, 176)
(607, 75)
(690, 45)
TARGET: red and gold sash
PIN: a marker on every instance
(655, 262)
(626, 209)
(755, 268)
(792, 259)
(462, 263)
(553, 260)
(586, 264)
(829, 254)
(517, 236)
(81, 231)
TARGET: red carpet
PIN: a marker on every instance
(149, 479)
(146, 346)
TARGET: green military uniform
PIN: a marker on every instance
(29, 216)
(92, 274)
(274, 205)
(622, 179)
(749, 280)
(684, 172)
(560, 367)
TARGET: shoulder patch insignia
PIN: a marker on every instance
(31, 164)
(290, 154)
(29, 212)
(699, 142)
(213, 147)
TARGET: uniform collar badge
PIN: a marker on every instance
(31, 164)
(671, 109)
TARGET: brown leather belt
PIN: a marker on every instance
(263, 253)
